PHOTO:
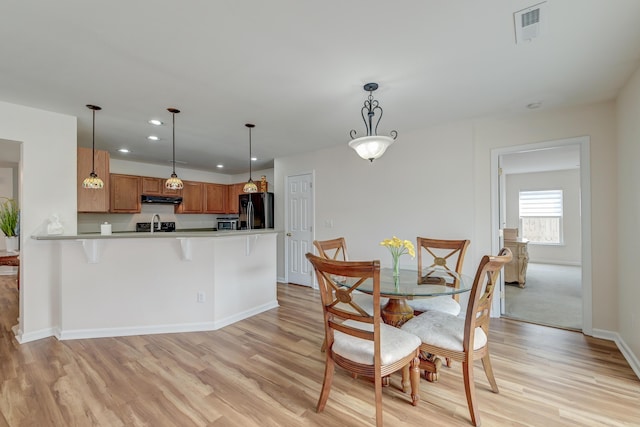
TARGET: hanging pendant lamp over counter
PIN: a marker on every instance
(93, 182)
(250, 186)
(174, 183)
(372, 146)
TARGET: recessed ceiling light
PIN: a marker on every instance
(153, 138)
(220, 166)
(253, 159)
(155, 122)
(123, 150)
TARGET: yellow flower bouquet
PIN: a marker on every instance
(397, 248)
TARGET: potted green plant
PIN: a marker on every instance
(9, 223)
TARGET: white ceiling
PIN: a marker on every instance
(296, 68)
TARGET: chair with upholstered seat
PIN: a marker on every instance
(356, 340)
(336, 249)
(465, 339)
(441, 254)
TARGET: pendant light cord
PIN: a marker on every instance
(250, 179)
(173, 124)
(93, 144)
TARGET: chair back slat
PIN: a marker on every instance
(338, 280)
(441, 254)
(332, 249)
(484, 286)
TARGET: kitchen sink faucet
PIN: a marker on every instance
(154, 217)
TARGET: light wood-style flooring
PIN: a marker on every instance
(267, 371)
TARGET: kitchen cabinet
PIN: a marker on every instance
(215, 198)
(192, 198)
(234, 191)
(93, 200)
(125, 193)
(155, 187)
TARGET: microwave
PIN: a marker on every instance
(227, 224)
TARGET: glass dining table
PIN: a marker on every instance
(433, 282)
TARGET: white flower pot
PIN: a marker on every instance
(11, 243)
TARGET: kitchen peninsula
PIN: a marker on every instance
(142, 283)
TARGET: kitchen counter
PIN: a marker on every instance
(139, 283)
(198, 232)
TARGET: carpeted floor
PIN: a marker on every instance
(552, 296)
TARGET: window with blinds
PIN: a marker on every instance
(541, 216)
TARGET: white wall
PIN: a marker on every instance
(629, 213)
(47, 185)
(421, 186)
(436, 182)
(569, 182)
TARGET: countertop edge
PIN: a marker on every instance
(162, 235)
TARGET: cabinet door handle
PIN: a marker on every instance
(289, 234)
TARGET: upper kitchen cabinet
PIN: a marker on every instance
(155, 187)
(234, 191)
(90, 200)
(125, 193)
(192, 198)
(215, 198)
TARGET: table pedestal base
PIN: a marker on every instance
(396, 313)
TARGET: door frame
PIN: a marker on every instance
(312, 174)
(497, 188)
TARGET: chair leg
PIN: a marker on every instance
(329, 368)
(470, 390)
(378, 390)
(324, 345)
(414, 375)
(488, 370)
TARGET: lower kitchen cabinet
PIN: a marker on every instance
(125, 193)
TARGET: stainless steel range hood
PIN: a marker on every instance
(167, 200)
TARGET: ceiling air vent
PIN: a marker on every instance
(529, 22)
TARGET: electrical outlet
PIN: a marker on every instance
(201, 297)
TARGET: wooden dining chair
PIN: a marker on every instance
(441, 254)
(336, 249)
(465, 340)
(332, 249)
(358, 341)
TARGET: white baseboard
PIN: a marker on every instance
(138, 330)
(134, 330)
(23, 338)
(631, 358)
(555, 262)
(245, 314)
(281, 280)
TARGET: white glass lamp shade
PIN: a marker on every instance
(174, 183)
(250, 187)
(93, 182)
(371, 147)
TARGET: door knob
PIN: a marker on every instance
(289, 234)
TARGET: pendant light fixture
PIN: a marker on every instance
(250, 186)
(372, 146)
(174, 183)
(93, 181)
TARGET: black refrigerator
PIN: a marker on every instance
(256, 211)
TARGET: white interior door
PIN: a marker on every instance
(299, 228)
